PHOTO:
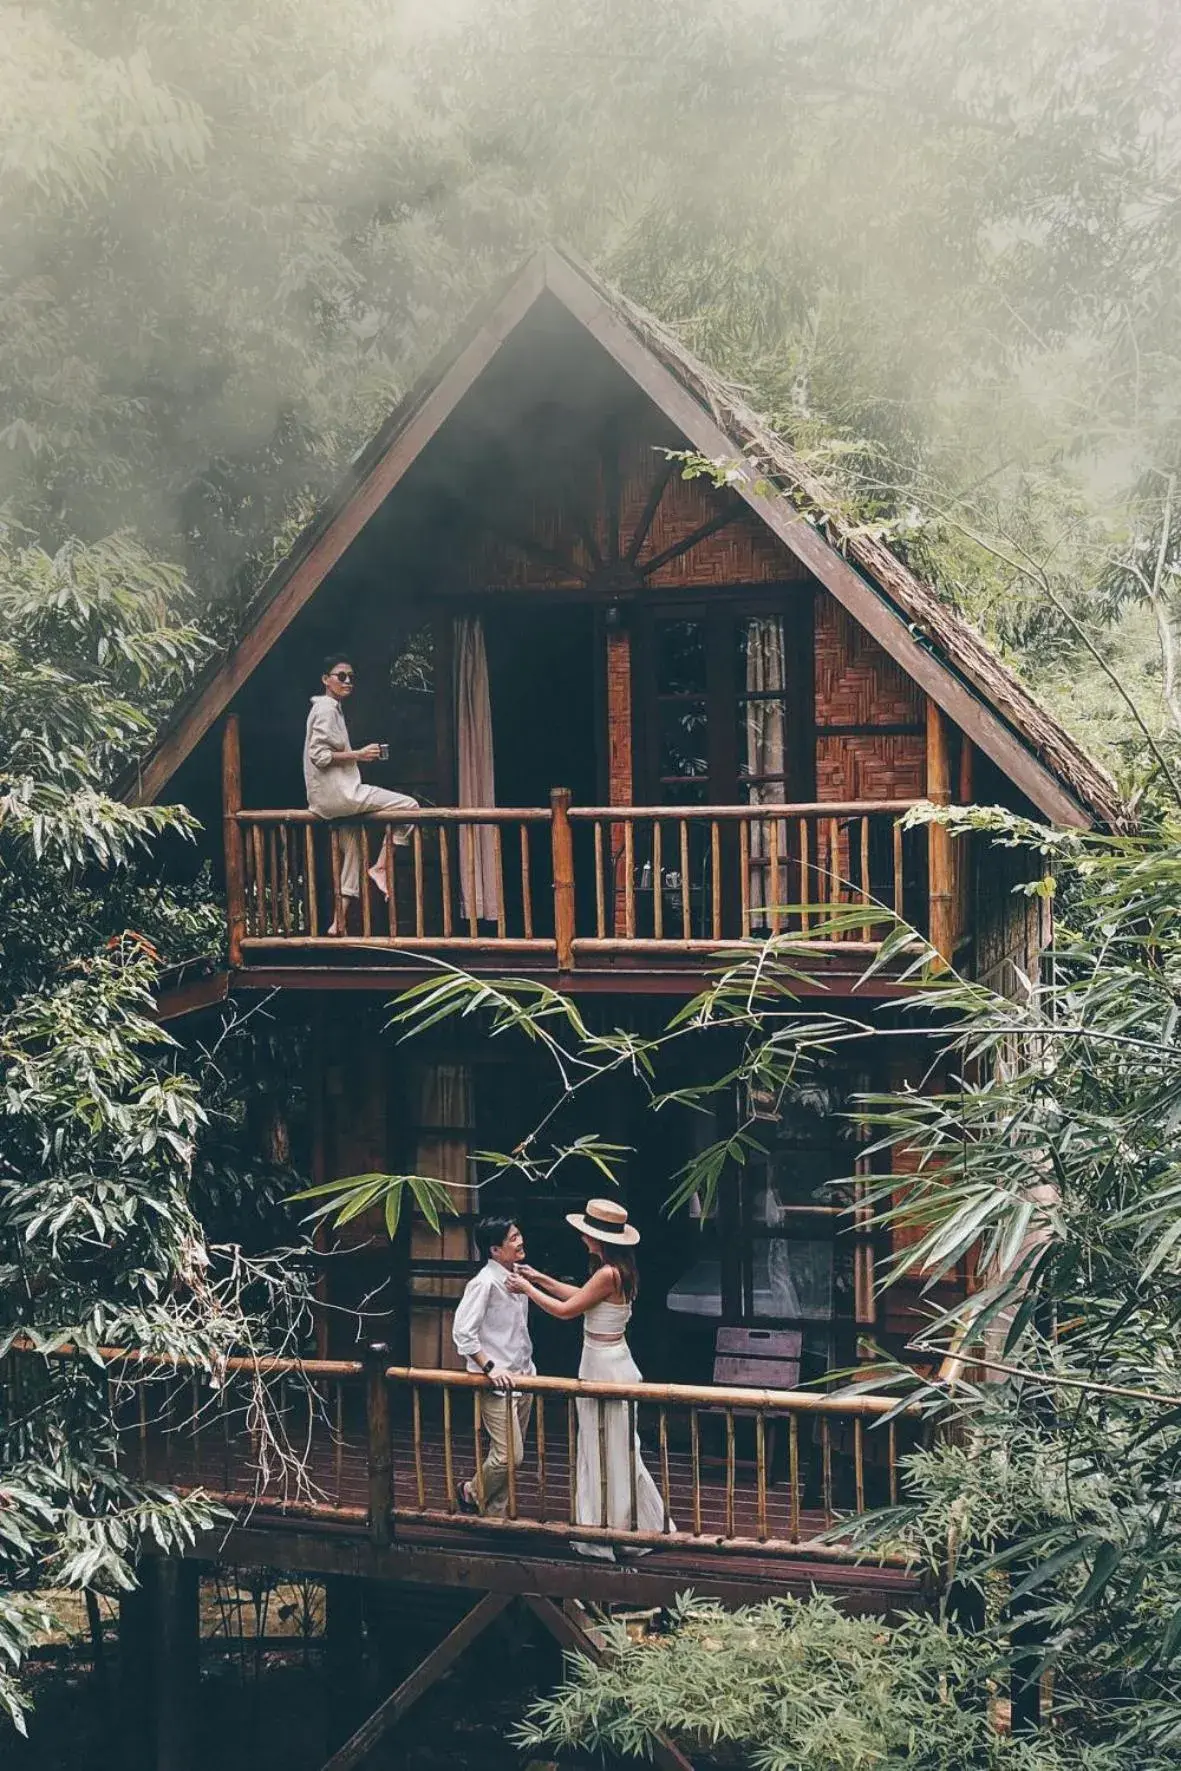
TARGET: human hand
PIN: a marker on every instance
(517, 1283)
(369, 753)
(523, 1270)
(500, 1380)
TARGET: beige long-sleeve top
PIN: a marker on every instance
(334, 789)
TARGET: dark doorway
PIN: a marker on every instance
(541, 666)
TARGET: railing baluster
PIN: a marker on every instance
(892, 1460)
(834, 870)
(866, 929)
(729, 1472)
(859, 1461)
(419, 892)
(285, 876)
(195, 1401)
(695, 1454)
(540, 1440)
(744, 875)
(629, 880)
(805, 878)
(309, 852)
(419, 1473)
(510, 1447)
(665, 1483)
(143, 1430)
(366, 907)
(572, 1459)
(632, 1496)
(338, 1428)
(600, 884)
(898, 898)
(826, 1468)
(445, 879)
(773, 848)
(448, 1457)
(338, 917)
(477, 1422)
(473, 908)
(380, 1445)
(498, 851)
(686, 885)
(793, 1452)
(657, 881)
(272, 842)
(715, 868)
(389, 862)
(604, 1516)
(761, 1473)
(260, 881)
(526, 884)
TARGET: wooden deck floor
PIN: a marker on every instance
(319, 1518)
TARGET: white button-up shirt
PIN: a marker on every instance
(488, 1316)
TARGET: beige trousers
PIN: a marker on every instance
(497, 1409)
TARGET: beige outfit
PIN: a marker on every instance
(608, 1503)
(496, 1411)
(336, 790)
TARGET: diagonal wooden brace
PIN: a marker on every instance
(425, 1674)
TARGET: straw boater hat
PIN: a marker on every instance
(605, 1221)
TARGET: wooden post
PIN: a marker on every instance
(178, 1664)
(562, 840)
(343, 1657)
(380, 1444)
(231, 798)
(940, 845)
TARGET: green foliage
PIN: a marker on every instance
(795, 1685)
(102, 1126)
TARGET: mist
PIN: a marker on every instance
(938, 245)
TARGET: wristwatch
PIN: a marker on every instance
(488, 1367)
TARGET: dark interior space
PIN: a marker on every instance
(544, 718)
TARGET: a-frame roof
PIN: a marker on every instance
(935, 646)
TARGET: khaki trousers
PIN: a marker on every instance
(497, 1410)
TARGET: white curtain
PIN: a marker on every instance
(477, 775)
(766, 745)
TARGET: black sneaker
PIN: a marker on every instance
(465, 1500)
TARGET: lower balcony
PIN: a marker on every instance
(751, 1486)
(583, 891)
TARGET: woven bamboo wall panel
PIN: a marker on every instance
(857, 683)
(889, 767)
(745, 552)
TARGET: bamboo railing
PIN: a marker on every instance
(575, 883)
(377, 1447)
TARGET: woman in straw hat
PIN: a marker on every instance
(605, 1305)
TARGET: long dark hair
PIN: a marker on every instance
(624, 1263)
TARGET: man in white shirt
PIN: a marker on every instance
(491, 1332)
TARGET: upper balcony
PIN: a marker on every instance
(645, 896)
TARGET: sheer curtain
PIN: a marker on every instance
(766, 744)
(477, 775)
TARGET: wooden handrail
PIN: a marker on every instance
(691, 1395)
(694, 1395)
(417, 815)
(772, 811)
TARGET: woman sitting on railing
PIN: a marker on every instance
(335, 788)
(605, 1304)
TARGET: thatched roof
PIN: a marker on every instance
(956, 641)
(932, 642)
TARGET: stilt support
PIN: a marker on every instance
(425, 1674)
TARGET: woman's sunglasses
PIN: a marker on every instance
(344, 676)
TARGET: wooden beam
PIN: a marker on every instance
(301, 575)
(941, 886)
(864, 602)
(231, 805)
(571, 1625)
(427, 1673)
